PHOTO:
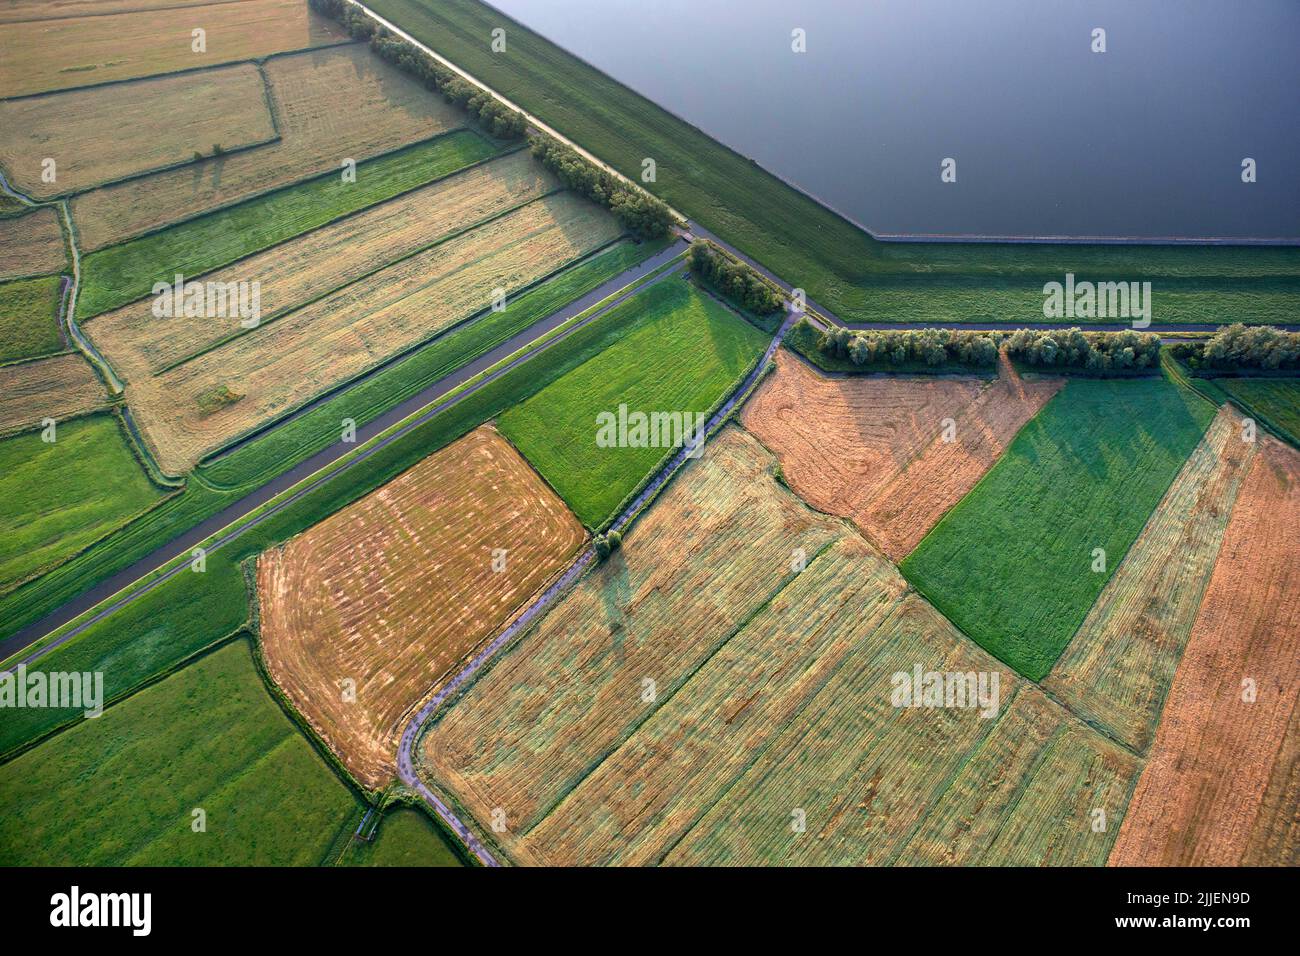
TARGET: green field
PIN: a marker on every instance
(1011, 564)
(148, 637)
(29, 318)
(258, 461)
(682, 352)
(199, 501)
(406, 837)
(1273, 401)
(228, 478)
(122, 273)
(794, 236)
(58, 497)
(122, 789)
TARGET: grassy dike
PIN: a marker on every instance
(841, 267)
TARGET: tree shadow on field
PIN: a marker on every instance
(615, 592)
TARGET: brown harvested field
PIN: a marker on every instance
(17, 10)
(912, 503)
(710, 553)
(396, 590)
(1275, 836)
(1209, 793)
(57, 54)
(1117, 669)
(330, 104)
(278, 366)
(330, 257)
(772, 694)
(841, 440)
(57, 387)
(106, 133)
(1028, 793)
(31, 244)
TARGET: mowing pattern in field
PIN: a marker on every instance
(1214, 789)
(905, 509)
(1012, 563)
(205, 403)
(330, 104)
(106, 133)
(682, 352)
(31, 244)
(873, 450)
(57, 387)
(333, 256)
(125, 272)
(394, 591)
(29, 318)
(46, 55)
(120, 790)
(771, 693)
(1274, 401)
(1029, 794)
(56, 498)
(1117, 670)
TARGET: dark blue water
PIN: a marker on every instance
(1049, 138)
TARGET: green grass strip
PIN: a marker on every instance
(1013, 563)
(29, 318)
(123, 273)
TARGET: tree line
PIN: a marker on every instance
(498, 119)
(733, 279)
(1094, 351)
(1244, 348)
(931, 347)
(638, 211)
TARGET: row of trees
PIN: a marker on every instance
(732, 278)
(1095, 351)
(932, 347)
(497, 118)
(636, 210)
(1243, 347)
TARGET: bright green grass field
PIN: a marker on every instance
(58, 497)
(682, 352)
(136, 643)
(121, 789)
(1274, 401)
(123, 273)
(29, 318)
(406, 837)
(1011, 564)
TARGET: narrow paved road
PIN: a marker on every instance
(231, 522)
(405, 759)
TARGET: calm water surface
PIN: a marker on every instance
(1049, 138)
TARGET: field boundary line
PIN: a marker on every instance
(238, 441)
(261, 511)
(415, 729)
(501, 154)
(307, 303)
(347, 41)
(529, 117)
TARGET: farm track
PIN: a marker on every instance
(584, 561)
(229, 523)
